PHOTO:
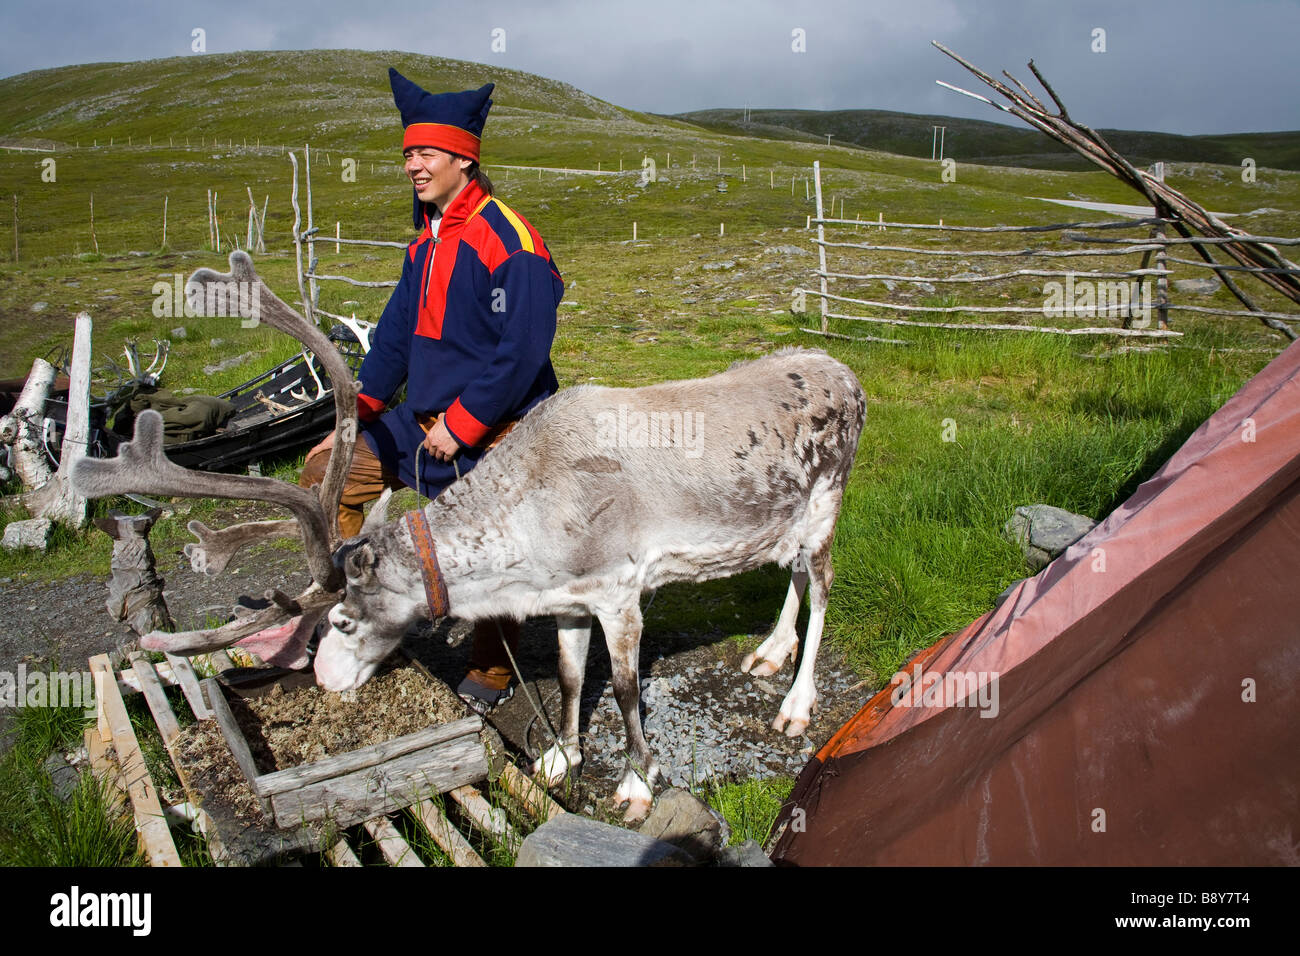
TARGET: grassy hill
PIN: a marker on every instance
(995, 144)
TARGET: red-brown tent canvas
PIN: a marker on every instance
(1144, 710)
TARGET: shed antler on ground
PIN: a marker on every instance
(1254, 254)
(142, 467)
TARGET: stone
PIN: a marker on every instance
(227, 363)
(724, 264)
(682, 819)
(748, 853)
(1206, 286)
(32, 533)
(40, 306)
(1043, 532)
(572, 840)
(179, 333)
(62, 776)
(786, 251)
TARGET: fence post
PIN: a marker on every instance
(1162, 282)
(308, 313)
(821, 239)
(312, 288)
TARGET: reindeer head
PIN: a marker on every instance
(378, 607)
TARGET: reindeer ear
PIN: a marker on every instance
(360, 563)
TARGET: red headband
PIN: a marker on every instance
(442, 136)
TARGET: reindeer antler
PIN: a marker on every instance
(142, 467)
(278, 314)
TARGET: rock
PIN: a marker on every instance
(227, 363)
(32, 533)
(1207, 286)
(179, 333)
(1043, 532)
(572, 840)
(62, 776)
(724, 264)
(687, 822)
(748, 853)
(890, 284)
(786, 251)
(40, 306)
(216, 343)
(924, 286)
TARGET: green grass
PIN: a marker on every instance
(36, 828)
(751, 806)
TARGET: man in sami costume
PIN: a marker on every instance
(469, 329)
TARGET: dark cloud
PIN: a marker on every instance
(1185, 66)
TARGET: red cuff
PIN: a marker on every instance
(368, 409)
(464, 427)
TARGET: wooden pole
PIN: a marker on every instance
(311, 241)
(1162, 282)
(634, 230)
(336, 235)
(821, 237)
(92, 222)
(164, 242)
(15, 227)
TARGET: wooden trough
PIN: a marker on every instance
(361, 787)
(352, 787)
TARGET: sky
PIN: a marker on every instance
(1180, 66)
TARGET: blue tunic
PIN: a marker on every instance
(469, 329)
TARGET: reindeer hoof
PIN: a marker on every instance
(796, 728)
(637, 811)
(636, 793)
(554, 765)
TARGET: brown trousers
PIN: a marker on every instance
(366, 481)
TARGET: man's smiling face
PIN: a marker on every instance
(436, 174)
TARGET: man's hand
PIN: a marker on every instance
(439, 443)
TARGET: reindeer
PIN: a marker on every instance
(598, 495)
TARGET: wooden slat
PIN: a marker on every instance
(372, 791)
(189, 682)
(533, 797)
(448, 838)
(154, 696)
(217, 703)
(488, 818)
(149, 820)
(295, 778)
(395, 850)
(340, 854)
(105, 769)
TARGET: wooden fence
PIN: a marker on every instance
(1130, 296)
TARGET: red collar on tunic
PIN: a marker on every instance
(459, 211)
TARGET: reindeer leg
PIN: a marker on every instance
(784, 639)
(797, 706)
(575, 636)
(623, 636)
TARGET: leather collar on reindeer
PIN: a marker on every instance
(435, 588)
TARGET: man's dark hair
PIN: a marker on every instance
(476, 175)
